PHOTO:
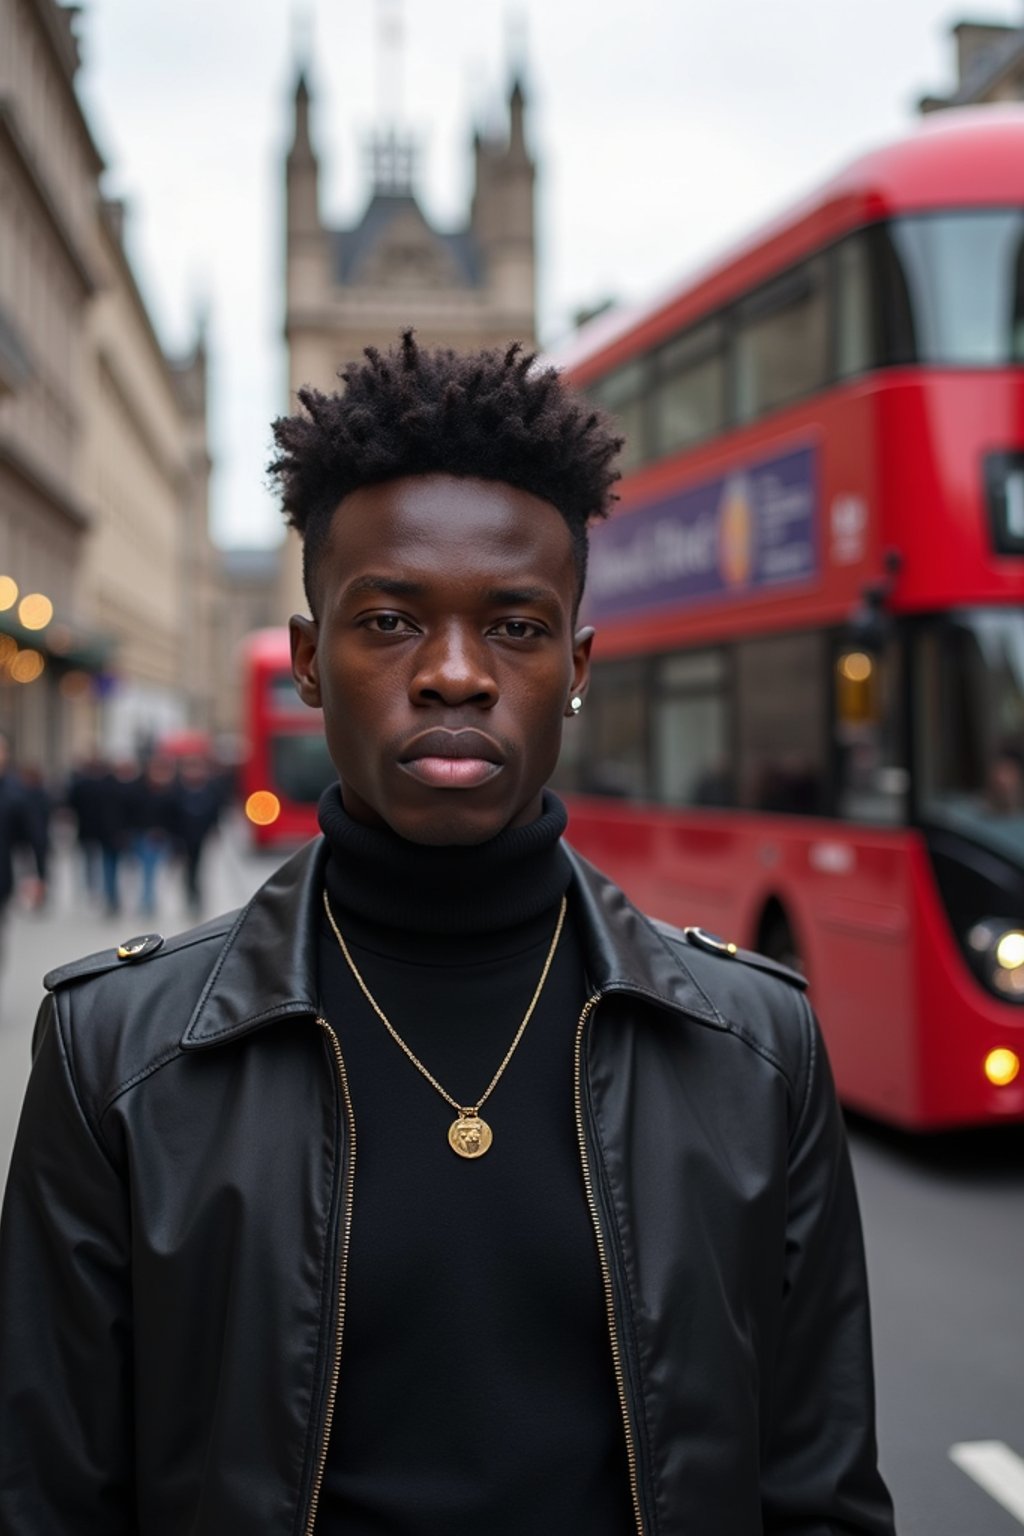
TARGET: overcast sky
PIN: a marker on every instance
(664, 129)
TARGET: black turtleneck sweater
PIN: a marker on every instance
(476, 1389)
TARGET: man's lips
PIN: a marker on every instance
(452, 759)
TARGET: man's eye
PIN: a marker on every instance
(518, 629)
(385, 623)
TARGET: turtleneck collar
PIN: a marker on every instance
(385, 881)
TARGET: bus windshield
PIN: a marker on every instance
(970, 727)
(958, 287)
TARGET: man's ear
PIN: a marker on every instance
(582, 642)
(303, 634)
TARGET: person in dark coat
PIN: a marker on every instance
(197, 813)
(154, 817)
(309, 1228)
(15, 828)
(115, 810)
(36, 837)
(84, 799)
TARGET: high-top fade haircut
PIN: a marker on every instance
(412, 411)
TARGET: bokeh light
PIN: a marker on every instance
(8, 593)
(1010, 950)
(27, 666)
(35, 611)
(263, 808)
(1002, 1067)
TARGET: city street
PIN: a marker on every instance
(944, 1220)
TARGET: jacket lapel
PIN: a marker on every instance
(267, 968)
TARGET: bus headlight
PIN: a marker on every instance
(1002, 1067)
(998, 949)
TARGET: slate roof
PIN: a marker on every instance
(352, 247)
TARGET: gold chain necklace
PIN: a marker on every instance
(469, 1136)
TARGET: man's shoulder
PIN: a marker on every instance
(696, 974)
(122, 1011)
(756, 998)
(135, 952)
(704, 942)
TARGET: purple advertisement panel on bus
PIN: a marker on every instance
(754, 528)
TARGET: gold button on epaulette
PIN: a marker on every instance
(143, 945)
(710, 941)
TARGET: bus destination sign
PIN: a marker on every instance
(754, 528)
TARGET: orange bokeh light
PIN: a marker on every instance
(263, 808)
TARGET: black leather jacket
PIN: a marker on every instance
(175, 1232)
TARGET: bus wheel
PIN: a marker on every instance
(778, 941)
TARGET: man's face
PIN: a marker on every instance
(444, 656)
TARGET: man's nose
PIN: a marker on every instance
(453, 667)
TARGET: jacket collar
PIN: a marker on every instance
(267, 968)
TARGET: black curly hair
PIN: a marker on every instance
(413, 410)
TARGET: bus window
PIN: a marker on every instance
(615, 761)
(301, 766)
(962, 275)
(692, 746)
(688, 402)
(782, 341)
(856, 344)
(623, 395)
(970, 726)
(872, 778)
(782, 723)
(282, 695)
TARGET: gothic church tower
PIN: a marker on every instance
(348, 288)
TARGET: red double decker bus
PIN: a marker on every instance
(806, 724)
(286, 767)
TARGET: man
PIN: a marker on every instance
(440, 1116)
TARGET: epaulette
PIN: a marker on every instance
(712, 944)
(141, 947)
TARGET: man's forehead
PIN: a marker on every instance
(436, 506)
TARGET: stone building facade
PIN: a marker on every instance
(49, 170)
(147, 576)
(990, 66)
(349, 288)
(104, 465)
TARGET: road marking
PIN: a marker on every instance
(996, 1468)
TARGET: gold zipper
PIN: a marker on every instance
(346, 1233)
(606, 1274)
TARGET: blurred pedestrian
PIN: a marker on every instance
(38, 808)
(198, 811)
(15, 828)
(154, 819)
(115, 808)
(84, 798)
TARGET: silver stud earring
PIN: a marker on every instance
(576, 704)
